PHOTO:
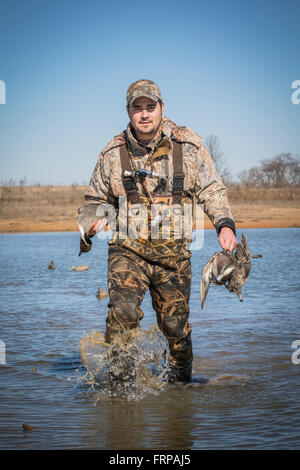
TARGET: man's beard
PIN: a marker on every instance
(145, 131)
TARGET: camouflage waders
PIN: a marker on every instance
(129, 277)
(163, 267)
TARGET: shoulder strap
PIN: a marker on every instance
(178, 175)
(128, 181)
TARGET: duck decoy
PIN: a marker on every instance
(51, 265)
(27, 427)
(83, 267)
(101, 294)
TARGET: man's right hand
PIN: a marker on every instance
(97, 227)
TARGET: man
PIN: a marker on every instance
(155, 162)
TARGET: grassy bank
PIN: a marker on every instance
(54, 208)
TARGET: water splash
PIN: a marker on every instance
(131, 367)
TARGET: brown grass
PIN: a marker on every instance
(283, 196)
(54, 208)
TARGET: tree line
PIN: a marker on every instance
(279, 171)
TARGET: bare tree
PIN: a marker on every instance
(23, 182)
(282, 170)
(212, 144)
(252, 177)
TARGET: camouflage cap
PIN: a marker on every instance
(143, 88)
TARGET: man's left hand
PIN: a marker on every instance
(227, 239)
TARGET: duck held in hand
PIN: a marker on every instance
(88, 215)
(228, 269)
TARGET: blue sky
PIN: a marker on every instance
(224, 68)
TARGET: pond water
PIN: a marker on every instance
(246, 370)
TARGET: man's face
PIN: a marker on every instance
(145, 116)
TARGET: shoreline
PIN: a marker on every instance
(9, 227)
(55, 209)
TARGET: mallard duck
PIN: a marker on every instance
(87, 215)
(229, 269)
(217, 270)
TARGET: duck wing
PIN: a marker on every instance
(206, 278)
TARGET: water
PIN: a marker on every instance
(245, 392)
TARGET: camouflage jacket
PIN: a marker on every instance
(201, 181)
